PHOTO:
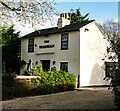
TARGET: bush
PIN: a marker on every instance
(8, 80)
(54, 81)
(12, 88)
(49, 82)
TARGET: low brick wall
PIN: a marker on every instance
(26, 78)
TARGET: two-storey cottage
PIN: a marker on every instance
(77, 48)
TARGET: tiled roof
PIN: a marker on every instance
(67, 28)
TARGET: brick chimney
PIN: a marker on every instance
(63, 20)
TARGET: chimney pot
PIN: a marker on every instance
(65, 15)
(63, 20)
(62, 15)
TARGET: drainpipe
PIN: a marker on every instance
(66, 16)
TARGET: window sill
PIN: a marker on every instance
(30, 52)
(64, 49)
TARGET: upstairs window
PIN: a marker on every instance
(64, 66)
(64, 41)
(31, 45)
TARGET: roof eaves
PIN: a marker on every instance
(100, 29)
(67, 28)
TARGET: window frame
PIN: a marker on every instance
(30, 45)
(62, 35)
(61, 66)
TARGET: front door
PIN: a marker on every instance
(46, 65)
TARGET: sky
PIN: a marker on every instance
(100, 11)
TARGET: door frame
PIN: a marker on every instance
(41, 61)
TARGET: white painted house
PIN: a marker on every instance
(77, 48)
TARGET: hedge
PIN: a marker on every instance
(49, 82)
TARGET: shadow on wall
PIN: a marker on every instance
(96, 75)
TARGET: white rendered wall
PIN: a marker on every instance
(72, 55)
(92, 51)
(84, 57)
(62, 22)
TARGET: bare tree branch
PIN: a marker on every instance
(23, 11)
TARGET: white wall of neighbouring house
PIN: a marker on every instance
(93, 47)
(72, 55)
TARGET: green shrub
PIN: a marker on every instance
(35, 71)
(12, 88)
(54, 81)
(49, 82)
(8, 80)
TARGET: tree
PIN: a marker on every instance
(77, 17)
(10, 49)
(110, 28)
(26, 11)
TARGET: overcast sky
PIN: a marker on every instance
(100, 11)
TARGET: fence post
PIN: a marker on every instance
(78, 86)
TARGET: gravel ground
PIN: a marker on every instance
(84, 98)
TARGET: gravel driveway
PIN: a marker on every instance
(93, 98)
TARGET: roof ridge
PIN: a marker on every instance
(53, 30)
(46, 28)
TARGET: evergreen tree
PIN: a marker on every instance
(10, 49)
(77, 17)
